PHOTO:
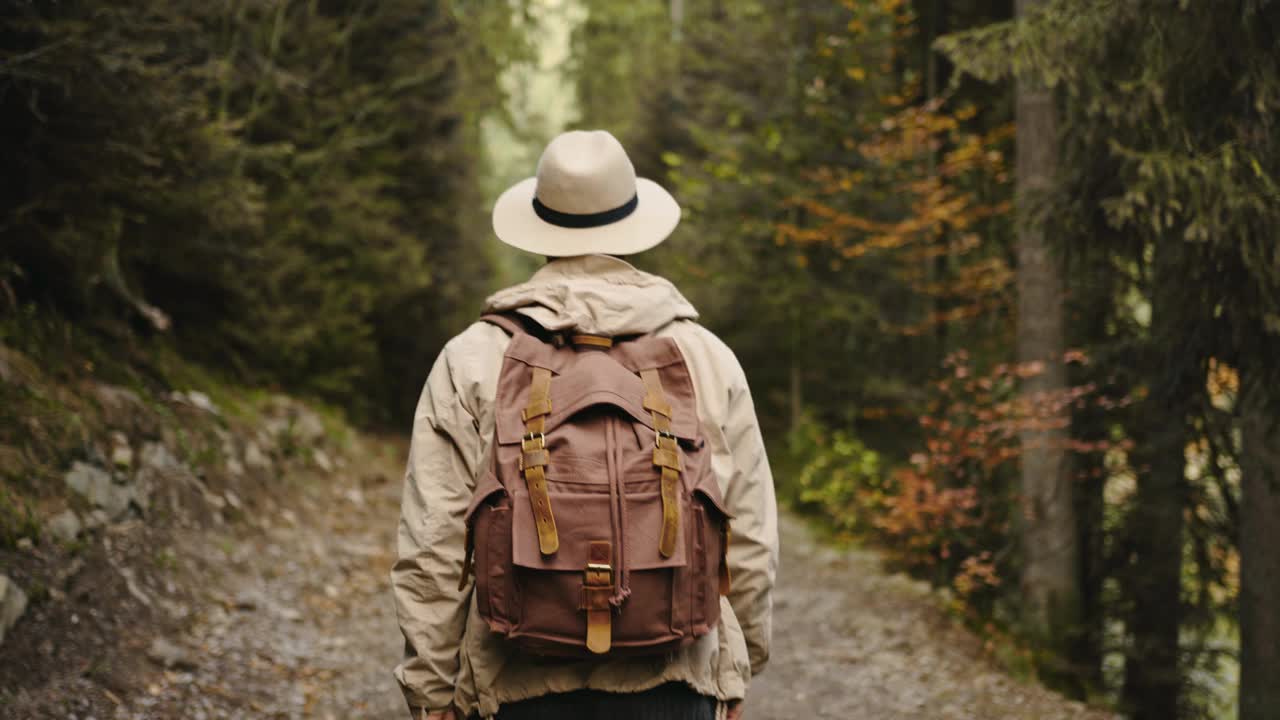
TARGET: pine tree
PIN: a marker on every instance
(1050, 582)
(1168, 134)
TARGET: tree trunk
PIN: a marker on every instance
(1091, 288)
(677, 20)
(1151, 676)
(797, 401)
(1092, 426)
(1050, 572)
(1260, 559)
(1152, 679)
(937, 74)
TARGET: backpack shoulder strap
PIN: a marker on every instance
(533, 445)
(509, 324)
(514, 323)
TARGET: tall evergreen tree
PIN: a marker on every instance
(278, 185)
(1169, 131)
(1050, 546)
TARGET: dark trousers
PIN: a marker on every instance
(673, 701)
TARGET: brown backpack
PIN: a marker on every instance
(597, 526)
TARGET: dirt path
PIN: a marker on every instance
(299, 623)
(852, 642)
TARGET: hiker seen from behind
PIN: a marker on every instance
(588, 525)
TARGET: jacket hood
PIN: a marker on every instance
(597, 295)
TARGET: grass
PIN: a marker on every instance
(51, 413)
(18, 518)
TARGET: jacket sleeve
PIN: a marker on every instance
(444, 452)
(753, 547)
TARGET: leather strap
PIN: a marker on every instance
(597, 587)
(509, 324)
(594, 341)
(514, 323)
(666, 455)
(534, 459)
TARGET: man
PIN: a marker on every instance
(584, 208)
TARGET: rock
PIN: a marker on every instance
(233, 500)
(96, 486)
(290, 418)
(157, 467)
(266, 441)
(195, 399)
(231, 456)
(276, 427)
(131, 584)
(322, 460)
(121, 407)
(174, 609)
(122, 456)
(169, 655)
(13, 602)
(202, 401)
(157, 458)
(65, 526)
(307, 425)
(217, 501)
(121, 452)
(254, 458)
(95, 519)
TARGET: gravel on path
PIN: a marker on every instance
(299, 623)
(853, 642)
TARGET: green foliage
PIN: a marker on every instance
(840, 479)
(765, 106)
(1169, 129)
(278, 182)
(1168, 193)
(18, 518)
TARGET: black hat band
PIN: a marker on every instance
(585, 220)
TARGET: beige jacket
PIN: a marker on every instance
(450, 654)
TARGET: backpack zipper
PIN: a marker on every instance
(617, 512)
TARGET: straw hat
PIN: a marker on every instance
(586, 199)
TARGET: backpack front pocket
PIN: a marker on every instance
(548, 584)
(488, 522)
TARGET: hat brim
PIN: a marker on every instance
(516, 224)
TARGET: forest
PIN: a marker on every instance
(1003, 274)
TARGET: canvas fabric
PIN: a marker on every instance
(597, 527)
(451, 655)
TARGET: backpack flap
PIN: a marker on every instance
(593, 379)
(579, 517)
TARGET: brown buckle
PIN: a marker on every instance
(597, 575)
